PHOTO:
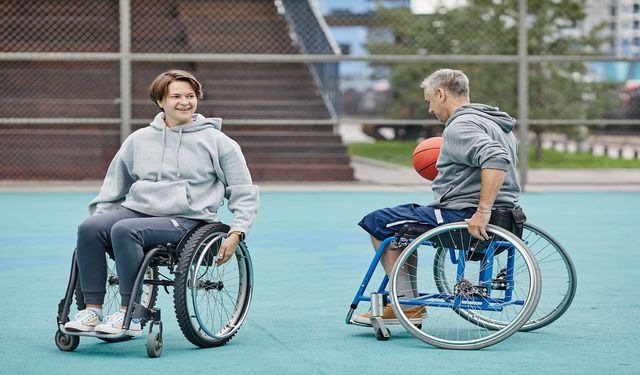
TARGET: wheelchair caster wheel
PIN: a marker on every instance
(154, 344)
(66, 343)
(382, 335)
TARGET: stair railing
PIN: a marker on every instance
(310, 32)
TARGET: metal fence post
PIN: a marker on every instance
(125, 69)
(523, 93)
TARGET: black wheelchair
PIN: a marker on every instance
(211, 302)
(473, 293)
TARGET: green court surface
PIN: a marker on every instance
(309, 257)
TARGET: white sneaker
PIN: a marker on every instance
(84, 321)
(114, 323)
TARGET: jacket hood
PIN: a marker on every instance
(506, 122)
(199, 122)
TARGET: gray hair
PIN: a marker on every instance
(454, 81)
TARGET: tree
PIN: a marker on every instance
(490, 27)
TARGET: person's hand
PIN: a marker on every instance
(477, 224)
(227, 249)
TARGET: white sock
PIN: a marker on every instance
(97, 310)
(405, 287)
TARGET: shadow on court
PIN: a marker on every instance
(309, 257)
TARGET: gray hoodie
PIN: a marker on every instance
(184, 171)
(476, 136)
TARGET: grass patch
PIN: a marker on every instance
(399, 152)
(396, 152)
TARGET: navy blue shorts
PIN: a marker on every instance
(385, 222)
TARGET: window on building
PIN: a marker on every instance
(636, 25)
(612, 10)
(636, 8)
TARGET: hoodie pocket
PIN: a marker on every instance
(161, 198)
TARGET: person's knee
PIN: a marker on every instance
(92, 236)
(122, 230)
(90, 226)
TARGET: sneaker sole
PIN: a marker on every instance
(386, 321)
(79, 328)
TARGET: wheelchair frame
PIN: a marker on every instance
(198, 244)
(471, 309)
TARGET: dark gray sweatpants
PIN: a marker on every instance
(124, 234)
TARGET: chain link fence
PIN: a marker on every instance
(76, 74)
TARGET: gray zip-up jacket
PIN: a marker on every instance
(184, 171)
(476, 136)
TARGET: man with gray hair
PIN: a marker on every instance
(476, 181)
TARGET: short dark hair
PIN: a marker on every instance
(160, 85)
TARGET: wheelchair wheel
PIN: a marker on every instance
(111, 302)
(66, 343)
(558, 279)
(154, 344)
(211, 302)
(483, 293)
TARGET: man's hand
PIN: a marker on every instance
(477, 224)
(227, 249)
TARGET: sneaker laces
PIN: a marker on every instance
(116, 318)
(85, 315)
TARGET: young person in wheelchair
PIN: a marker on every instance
(476, 182)
(165, 179)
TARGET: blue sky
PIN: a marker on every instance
(356, 6)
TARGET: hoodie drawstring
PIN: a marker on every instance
(164, 144)
(164, 149)
(178, 152)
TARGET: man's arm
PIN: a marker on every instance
(490, 184)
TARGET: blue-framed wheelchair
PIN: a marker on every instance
(211, 302)
(475, 293)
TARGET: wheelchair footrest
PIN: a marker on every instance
(112, 336)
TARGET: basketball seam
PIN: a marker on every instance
(427, 166)
(426, 149)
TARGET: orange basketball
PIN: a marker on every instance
(425, 156)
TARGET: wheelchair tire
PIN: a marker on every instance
(468, 287)
(66, 343)
(211, 302)
(381, 336)
(154, 344)
(112, 297)
(558, 279)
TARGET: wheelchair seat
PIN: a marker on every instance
(508, 219)
(413, 230)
